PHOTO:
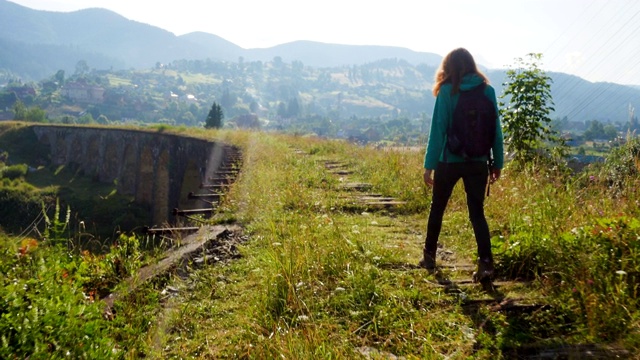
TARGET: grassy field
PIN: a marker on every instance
(325, 273)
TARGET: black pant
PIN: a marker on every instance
(474, 175)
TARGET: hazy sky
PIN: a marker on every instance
(598, 40)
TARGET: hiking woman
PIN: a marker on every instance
(458, 73)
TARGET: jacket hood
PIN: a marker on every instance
(470, 81)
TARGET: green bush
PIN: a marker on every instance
(600, 270)
(20, 205)
(622, 164)
(15, 171)
(44, 312)
(595, 272)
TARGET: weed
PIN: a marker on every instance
(55, 230)
(315, 281)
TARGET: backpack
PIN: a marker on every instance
(473, 128)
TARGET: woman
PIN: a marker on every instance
(458, 72)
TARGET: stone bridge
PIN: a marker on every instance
(157, 169)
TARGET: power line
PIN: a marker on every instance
(595, 95)
(572, 24)
(610, 23)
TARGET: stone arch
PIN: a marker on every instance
(44, 139)
(92, 156)
(161, 193)
(60, 156)
(127, 182)
(76, 160)
(45, 142)
(110, 162)
(144, 191)
(193, 177)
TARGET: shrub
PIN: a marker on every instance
(622, 164)
(44, 312)
(599, 268)
(525, 108)
(15, 171)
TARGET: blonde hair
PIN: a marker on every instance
(453, 68)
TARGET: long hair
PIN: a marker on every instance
(453, 68)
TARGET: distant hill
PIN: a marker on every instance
(137, 45)
(318, 54)
(36, 44)
(579, 99)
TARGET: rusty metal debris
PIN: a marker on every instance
(206, 196)
(153, 231)
(177, 212)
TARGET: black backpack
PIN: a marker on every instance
(473, 128)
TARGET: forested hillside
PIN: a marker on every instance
(143, 74)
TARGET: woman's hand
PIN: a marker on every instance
(428, 179)
(494, 175)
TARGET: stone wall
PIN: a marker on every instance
(152, 166)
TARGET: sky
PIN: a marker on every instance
(598, 40)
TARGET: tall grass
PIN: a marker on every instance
(325, 289)
(319, 279)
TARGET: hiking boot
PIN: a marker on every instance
(485, 270)
(428, 262)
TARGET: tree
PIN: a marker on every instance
(102, 120)
(36, 114)
(610, 132)
(81, 68)
(19, 111)
(595, 130)
(293, 108)
(525, 106)
(59, 77)
(214, 119)
(228, 100)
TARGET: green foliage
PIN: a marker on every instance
(523, 256)
(55, 231)
(14, 171)
(324, 277)
(32, 114)
(214, 118)
(525, 109)
(44, 312)
(101, 273)
(125, 257)
(599, 271)
(622, 165)
(19, 111)
(36, 114)
(597, 130)
(49, 304)
(20, 205)
(22, 145)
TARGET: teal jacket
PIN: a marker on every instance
(442, 117)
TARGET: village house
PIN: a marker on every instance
(83, 93)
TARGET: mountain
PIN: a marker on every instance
(212, 46)
(98, 31)
(577, 98)
(131, 44)
(35, 44)
(318, 54)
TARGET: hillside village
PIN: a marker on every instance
(387, 102)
